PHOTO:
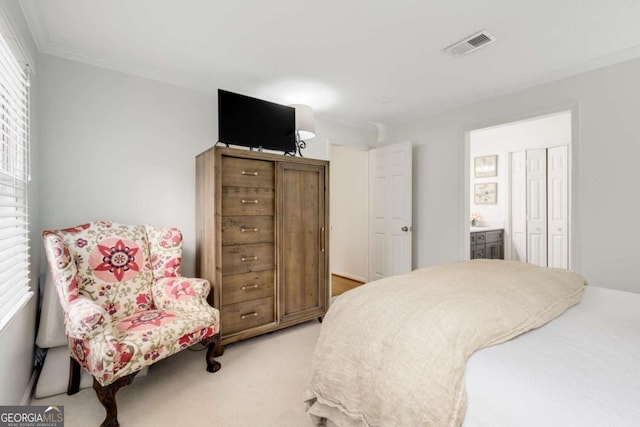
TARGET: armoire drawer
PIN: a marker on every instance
(237, 172)
(247, 286)
(247, 201)
(245, 258)
(238, 230)
(245, 315)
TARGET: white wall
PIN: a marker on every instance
(542, 132)
(606, 153)
(121, 147)
(17, 338)
(349, 212)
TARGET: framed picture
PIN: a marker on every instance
(486, 193)
(486, 166)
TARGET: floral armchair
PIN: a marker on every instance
(125, 304)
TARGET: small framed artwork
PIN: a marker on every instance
(486, 166)
(486, 193)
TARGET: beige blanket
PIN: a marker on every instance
(393, 352)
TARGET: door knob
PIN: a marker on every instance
(405, 228)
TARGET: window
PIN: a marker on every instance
(14, 175)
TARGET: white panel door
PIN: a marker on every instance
(537, 207)
(519, 206)
(558, 209)
(390, 210)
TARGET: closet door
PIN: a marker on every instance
(537, 207)
(558, 212)
(302, 253)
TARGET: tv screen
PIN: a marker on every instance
(252, 122)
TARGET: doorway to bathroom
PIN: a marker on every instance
(520, 189)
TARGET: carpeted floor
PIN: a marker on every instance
(261, 383)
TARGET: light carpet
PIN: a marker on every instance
(261, 383)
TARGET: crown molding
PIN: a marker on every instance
(562, 73)
(101, 61)
(40, 33)
(35, 22)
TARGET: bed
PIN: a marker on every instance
(382, 359)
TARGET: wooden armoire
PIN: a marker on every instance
(262, 239)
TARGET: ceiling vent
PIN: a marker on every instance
(470, 44)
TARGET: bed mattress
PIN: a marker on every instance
(581, 369)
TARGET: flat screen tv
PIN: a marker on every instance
(252, 122)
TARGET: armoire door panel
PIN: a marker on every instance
(301, 225)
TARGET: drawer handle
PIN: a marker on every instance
(243, 230)
(244, 202)
(249, 258)
(249, 173)
(244, 288)
(254, 314)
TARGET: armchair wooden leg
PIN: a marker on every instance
(107, 396)
(74, 377)
(213, 342)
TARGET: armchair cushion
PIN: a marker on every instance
(166, 251)
(176, 292)
(140, 340)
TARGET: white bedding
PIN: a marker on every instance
(582, 369)
(393, 352)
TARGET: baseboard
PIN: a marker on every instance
(350, 277)
(26, 397)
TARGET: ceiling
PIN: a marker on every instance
(342, 57)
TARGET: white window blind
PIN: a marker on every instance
(14, 175)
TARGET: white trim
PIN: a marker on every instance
(575, 253)
(26, 397)
(36, 23)
(40, 33)
(62, 51)
(573, 70)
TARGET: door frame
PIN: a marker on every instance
(575, 256)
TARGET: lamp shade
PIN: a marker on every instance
(305, 122)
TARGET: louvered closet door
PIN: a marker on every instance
(302, 240)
